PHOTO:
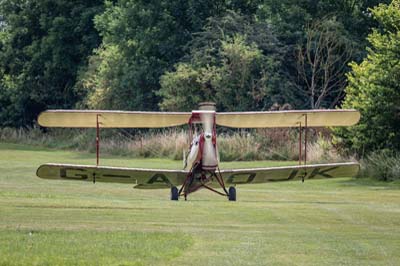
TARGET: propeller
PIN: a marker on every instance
(209, 156)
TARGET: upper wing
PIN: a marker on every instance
(315, 118)
(144, 178)
(111, 119)
(285, 173)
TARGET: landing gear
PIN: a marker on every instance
(174, 193)
(232, 194)
(197, 179)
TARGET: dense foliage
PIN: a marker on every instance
(141, 40)
(234, 61)
(42, 46)
(374, 87)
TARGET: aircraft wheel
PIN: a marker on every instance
(174, 193)
(232, 194)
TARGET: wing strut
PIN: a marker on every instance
(97, 145)
(97, 139)
(305, 140)
(300, 148)
(305, 144)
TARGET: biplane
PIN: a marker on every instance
(201, 170)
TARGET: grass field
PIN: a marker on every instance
(321, 222)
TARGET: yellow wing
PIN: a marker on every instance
(315, 118)
(111, 119)
(143, 178)
(163, 178)
(285, 173)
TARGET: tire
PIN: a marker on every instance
(174, 193)
(232, 194)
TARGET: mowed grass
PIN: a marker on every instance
(321, 222)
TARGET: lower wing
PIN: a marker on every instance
(285, 173)
(163, 178)
(143, 178)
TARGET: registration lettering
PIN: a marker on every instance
(323, 173)
(242, 178)
(73, 173)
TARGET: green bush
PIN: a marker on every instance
(374, 90)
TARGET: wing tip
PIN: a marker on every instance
(38, 170)
(40, 119)
(358, 117)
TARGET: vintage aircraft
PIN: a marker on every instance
(201, 163)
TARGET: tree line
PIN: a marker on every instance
(170, 55)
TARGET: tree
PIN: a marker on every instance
(374, 87)
(148, 38)
(292, 20)
(322, 63)
(230, 82)
(43, 45)
(290, 17)
(234, 61)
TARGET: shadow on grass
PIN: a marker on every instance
(273, 201)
